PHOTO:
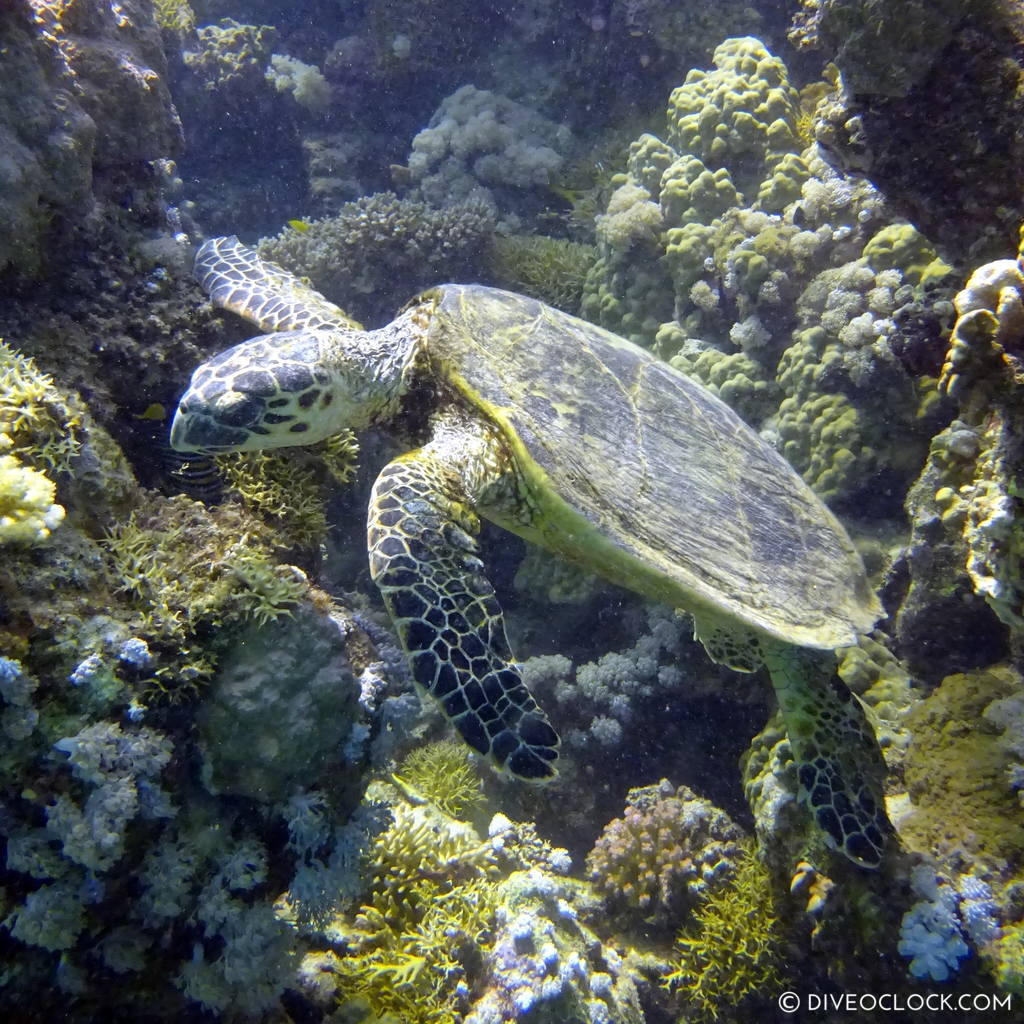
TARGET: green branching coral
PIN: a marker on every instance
(287, 488)
(553, 270)
(733, 952)
(188, 568)
(432, 905)
(441, 773)
(42, 424)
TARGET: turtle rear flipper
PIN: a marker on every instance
(238, 279)
(840, 768)
(423, 559)
(839, 764)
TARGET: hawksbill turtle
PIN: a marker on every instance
(578, 441)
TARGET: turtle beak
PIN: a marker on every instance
(195, 430)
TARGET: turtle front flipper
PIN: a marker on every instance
(423, 558)
(839, 765)
(239, 279)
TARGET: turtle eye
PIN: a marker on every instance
(238, 410)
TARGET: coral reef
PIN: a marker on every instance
(85, 109)
(733, 953)
(909, 70)
(732, 248)
(218, 796)
(668, 853)
(379, 250)
(967, 544)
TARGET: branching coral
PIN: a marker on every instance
(441, 772)
(553, 270)
(187, 567)
(432, 901)
(380, 249)
(287, 488)
(41, 424)
(733, 951)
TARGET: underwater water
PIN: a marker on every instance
(511, 513)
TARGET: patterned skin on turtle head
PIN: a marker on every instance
(267, 392)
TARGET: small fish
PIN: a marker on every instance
(300, 226)
(155, 411)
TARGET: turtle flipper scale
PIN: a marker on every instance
(423, 559)
(839, 764)
(240, 280)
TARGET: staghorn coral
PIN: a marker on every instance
(442, 773)
(731, 957)
(288, 489)
(668, 852)
(553, 270)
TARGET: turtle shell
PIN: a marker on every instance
(639, 473)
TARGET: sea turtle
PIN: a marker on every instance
(580, 442)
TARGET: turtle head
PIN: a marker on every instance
(274, 391)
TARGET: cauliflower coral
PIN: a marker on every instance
(27, 510)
